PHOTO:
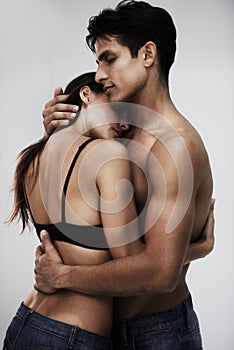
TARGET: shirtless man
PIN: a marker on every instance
(135, 46)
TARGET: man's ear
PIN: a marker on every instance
(149, 53)
(86, 94)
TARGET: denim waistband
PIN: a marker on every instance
(28, 316)
(133, 326)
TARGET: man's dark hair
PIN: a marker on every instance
(133, 23)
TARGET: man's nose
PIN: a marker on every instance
(100, 76)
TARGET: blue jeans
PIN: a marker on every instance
(31, 331)
(175, 329)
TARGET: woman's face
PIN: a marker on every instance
(101, 119)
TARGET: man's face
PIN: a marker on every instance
(122, 76)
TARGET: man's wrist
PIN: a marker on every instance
(63, 277)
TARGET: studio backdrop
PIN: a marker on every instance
(43, 46)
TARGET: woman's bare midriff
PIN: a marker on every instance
(92, 313)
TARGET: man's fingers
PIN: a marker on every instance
(58, 113)
(212, 203)
(210, 222)
(62, 107)
(38, 252)
(60, 99)
(55, 100)
(52, 122)
(211, 218)
(210, 227)
(58, 91)
(45, 241)
(57, 110)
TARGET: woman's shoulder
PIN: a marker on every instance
(111, 146)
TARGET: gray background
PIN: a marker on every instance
(42, 46)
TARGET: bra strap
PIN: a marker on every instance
(66, 183)
(27, 203)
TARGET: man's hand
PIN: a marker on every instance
(57, 112)
(207, 239)
(205, 244)
(47, 264)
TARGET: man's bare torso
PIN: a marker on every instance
(202, 186)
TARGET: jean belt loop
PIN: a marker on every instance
(25, 313)
(186, 314)
(125, 332)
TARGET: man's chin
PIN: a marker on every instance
(111, 95)
(114, 98)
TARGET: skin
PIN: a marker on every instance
(93, 313)
(156, 276)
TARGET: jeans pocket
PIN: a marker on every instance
(189, 334)
(192, 341)
(162, 338)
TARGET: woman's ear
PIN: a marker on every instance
(149, 52)
(86, 94)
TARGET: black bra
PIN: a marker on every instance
(86, 236)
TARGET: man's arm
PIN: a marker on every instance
(156, 269)
(49, 268)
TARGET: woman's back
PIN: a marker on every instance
(45, 202)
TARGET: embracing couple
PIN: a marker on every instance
(121, 197)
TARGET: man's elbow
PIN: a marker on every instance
(165, 282)
(169, 283)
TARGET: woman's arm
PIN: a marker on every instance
(117, 205)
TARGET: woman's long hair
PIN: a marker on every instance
(30, 156)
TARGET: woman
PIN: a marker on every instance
(74, 212)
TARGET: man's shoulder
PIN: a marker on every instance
(179, 154)
(180, 136)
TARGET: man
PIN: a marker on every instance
(135, 47)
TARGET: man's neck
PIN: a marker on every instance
(156, 96)
(153, 110)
